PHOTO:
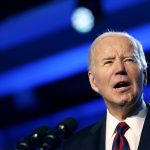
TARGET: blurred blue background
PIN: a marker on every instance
(44, 61)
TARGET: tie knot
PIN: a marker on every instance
(122, 127)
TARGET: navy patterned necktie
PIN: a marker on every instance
(120, 142)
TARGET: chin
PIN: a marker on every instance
(126, 101)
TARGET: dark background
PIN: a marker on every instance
(44, 61)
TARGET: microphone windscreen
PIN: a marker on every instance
(37, 136)
(68, 126)
(34, 139)
(40, 132)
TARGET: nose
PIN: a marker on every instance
(120, 68)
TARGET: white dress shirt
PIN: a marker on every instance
(132, 135)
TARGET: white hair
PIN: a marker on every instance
(137, 45)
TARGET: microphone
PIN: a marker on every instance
(62, 131)
(47, 138)
(35, 139)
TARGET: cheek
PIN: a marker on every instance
(140, 80)
(137, 77)
(103, 80)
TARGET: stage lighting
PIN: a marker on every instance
(86, 15)
(82, 20)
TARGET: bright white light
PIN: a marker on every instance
(82, 20)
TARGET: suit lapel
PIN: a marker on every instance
(96, 140)
(102, 135)
(145, 136)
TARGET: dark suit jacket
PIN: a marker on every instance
(93, 137)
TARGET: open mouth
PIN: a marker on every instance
(122, 84)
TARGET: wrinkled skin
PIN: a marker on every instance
(116, 61)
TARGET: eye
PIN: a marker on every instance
(130, 60)
(108, 62)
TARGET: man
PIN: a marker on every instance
(117, 71)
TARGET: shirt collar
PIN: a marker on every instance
(135, 122)
(111, 123)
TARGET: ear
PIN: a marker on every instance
(145, 77)
(93, 81)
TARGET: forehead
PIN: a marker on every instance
(110, 45)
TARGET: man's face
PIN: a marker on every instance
(117, 73)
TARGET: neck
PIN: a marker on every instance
(121, 112)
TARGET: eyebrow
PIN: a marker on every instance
(131, 56)
(108, 58)
(111, 57)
